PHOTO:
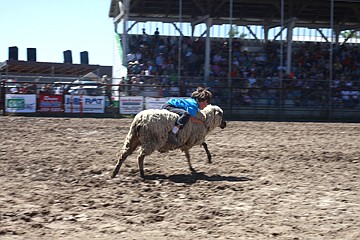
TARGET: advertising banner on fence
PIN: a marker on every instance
(154, 103)
(131, 105)
(24, 103)
(84, 104)
(50, 103)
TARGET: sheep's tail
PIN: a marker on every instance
(131, 142)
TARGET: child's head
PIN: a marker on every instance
(202, 96)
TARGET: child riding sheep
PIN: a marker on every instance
(187, 109)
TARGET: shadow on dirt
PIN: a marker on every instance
(194, 177)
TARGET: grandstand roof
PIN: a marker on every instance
(308, 13)
(46, 68)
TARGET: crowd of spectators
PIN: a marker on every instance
(24, 88)
(256, 75)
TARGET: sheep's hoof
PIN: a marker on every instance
(116, 170)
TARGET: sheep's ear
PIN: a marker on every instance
(218, 112)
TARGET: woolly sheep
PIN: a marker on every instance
(149, 131)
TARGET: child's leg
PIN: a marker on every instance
(184, 116)
(180, 123)
(182, 120)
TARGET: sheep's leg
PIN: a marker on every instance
(207, 151)
(141, 158)
(187, 154)
(122, 157)
(118, 165)
(129, 147)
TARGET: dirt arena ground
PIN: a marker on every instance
(268, 180)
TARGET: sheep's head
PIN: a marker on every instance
(214, 117)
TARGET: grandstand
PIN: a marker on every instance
(287, 17)
(274, 55)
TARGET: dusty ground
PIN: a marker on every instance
(267, 180)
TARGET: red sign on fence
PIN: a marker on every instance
(50, 103)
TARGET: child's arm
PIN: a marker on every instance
(199, 119)
(196, 121)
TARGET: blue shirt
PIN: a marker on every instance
(188, 104)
